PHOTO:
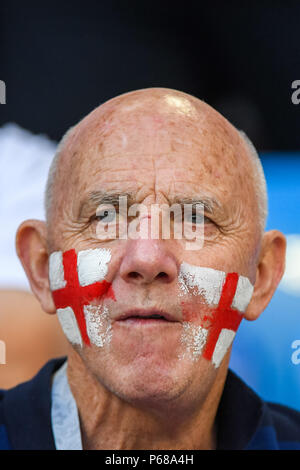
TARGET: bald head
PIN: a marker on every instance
(148, 124)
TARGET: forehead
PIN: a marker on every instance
(173, 143)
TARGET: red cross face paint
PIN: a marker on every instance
(226, 295)
(77, 280)
(79, 287)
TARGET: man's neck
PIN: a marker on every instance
(109, 422)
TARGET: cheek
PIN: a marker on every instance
(195, 310)
(217, 308)
(78, 284)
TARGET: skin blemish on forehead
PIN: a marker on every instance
(77, 280)
(227, 297)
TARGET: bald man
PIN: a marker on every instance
(149, 317)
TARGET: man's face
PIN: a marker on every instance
(159, 148)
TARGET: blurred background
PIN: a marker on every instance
(61, 60)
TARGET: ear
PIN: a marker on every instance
(269, 272)
(31, 245)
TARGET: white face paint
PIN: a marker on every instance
(92, 265)
(224, 341)
(98, 325)
(193, 339)
(208, 284)
(69, 325)
(56, 271)
(243, 294)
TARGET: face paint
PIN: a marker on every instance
(193, 339)
(228, 295)
(69, 325)
(98, 324)
(76, 280)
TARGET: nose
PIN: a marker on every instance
(148, 261)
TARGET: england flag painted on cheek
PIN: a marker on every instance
(77, 279)
(228, 296)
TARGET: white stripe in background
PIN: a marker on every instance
(290, 283)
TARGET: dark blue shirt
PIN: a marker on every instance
(244, 421)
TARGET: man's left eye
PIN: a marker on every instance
(199, 219)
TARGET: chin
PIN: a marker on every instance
(151, 381)
(152, 395)
(150, 385)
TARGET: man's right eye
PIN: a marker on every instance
(105, 216)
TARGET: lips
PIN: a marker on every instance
(147, 314)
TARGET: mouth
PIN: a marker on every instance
(145, 316)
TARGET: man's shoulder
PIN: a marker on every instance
(281, 424)
(25, 412)
(246, 421)
(4, 441)
(259, 424)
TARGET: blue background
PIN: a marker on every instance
(262, 350)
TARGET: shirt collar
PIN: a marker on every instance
(64, 413)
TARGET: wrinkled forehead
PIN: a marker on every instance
(172, 142)
(171, 125)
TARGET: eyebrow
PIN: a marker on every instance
(97, 198)
(210, 203)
